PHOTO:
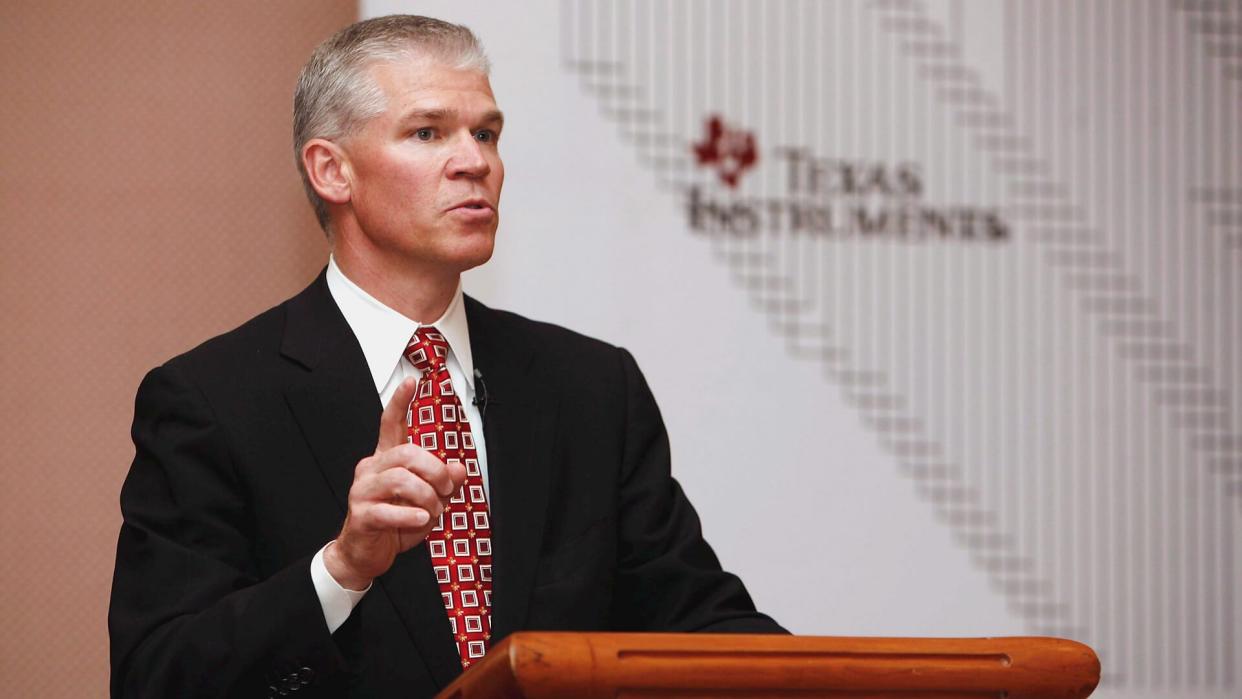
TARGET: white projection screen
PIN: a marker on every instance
(939, 298)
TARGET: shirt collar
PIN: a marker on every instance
(384, 333)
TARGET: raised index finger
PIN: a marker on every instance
(393, 428)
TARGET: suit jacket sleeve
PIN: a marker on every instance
(668, 576)
(189, 615)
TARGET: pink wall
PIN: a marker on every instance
(149, 201)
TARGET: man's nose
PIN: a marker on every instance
(468, 158)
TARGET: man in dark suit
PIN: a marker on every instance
(284, 530)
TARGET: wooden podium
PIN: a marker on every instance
(547, 665)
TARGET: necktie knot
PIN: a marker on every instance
(428, 350)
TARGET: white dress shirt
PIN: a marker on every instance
(383, 334)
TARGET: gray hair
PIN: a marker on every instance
(336, 95)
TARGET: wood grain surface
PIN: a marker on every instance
(589, 665)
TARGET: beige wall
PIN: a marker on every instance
(149, 201)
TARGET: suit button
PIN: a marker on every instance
(307, 675)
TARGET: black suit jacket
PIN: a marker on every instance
(245, 452)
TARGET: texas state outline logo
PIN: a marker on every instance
(730, 151)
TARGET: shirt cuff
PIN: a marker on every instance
(337, 602)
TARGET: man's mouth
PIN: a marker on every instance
(474, 205)
(473, 211)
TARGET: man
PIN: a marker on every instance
(286, 531)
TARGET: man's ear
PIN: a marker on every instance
(327, 169)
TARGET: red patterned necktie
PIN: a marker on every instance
(461, 542)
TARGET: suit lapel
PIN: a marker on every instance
(518, 427)
(338, 411)
(335, 403)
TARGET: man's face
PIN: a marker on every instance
(426, 174)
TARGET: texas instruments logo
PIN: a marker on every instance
(730, 151)
(825, 197)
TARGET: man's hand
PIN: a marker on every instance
(394, 501)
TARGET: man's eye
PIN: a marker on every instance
(424, 134)
(485, 136)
